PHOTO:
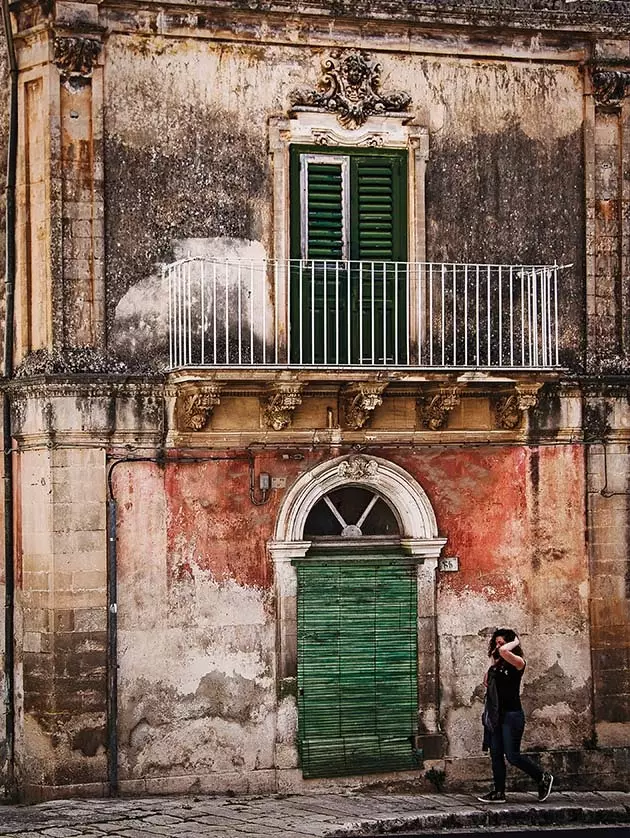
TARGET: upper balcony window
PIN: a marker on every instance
(349, 285)
(349, 246)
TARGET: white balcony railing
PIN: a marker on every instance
(362, 314)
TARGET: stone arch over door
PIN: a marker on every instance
(419, 540)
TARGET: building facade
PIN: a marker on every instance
(316, 371)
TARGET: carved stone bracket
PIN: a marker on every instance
(357, 467)
(280, 403)
(76, 57)
(434, 412)
(509, 409)
(360, 400)
(195, 404)
(349, 86)
(610, 87)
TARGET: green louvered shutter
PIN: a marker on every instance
(378, 239)
(325, 222)
(319, 284)
(357, 666)
(379, 218)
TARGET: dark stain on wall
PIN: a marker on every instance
(504, 198)
(4, 139)
(206, 188)
(89, 740)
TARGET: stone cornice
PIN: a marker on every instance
(605, 17)
(588, 15)
(98, 386)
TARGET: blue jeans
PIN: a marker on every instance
(505, 743)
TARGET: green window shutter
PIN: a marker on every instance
(378, 208)
(324, 211)
(357, 666)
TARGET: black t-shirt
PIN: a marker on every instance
(508, 681)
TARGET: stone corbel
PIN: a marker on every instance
(75, 57)
(195, 403)
(279, 403)
(360, 400)
(510, 409)
(434, 412)
(610, 87)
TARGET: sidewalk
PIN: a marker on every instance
(304, 816)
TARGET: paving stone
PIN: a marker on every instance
(308, 816)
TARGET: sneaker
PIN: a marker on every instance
(544, 787)
(493, 797)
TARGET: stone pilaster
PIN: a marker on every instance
(608, 217)
(80, 161)
(60, 233)
(62, 430)
(61, 515)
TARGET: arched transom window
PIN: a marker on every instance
(351, 512)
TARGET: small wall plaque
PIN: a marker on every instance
(449, 564)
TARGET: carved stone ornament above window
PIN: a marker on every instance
(195, 404)
(279, 404)
(357, 467)
(75, 57)
(610, 87)
(349, 87)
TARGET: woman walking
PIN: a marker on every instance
(503, 717)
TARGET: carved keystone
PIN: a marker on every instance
(195, 405)
(279, 404)
(610, 87)
(359, 401)
(75, 57)
(357, 467)
(509, 410)
(434, 413)
(349, 86)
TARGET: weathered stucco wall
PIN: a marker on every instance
(504, 137)
(197, 617)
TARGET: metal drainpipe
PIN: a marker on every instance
(112, 646)
(9, 604)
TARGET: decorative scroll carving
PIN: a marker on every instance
(323, 136)
(195, 405)
(357, 468)
(279, 405)
(434, 413)
(509, 410)
(610, 87)
(75, 57)
(349, 87)
(360, 400)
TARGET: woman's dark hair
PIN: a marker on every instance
(508, 635)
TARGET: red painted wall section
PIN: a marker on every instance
(480, 501)
(501, 508)
(212, 522)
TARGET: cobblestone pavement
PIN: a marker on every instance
(304, 816)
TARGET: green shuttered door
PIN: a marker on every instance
(357, 666)
(353, 207)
